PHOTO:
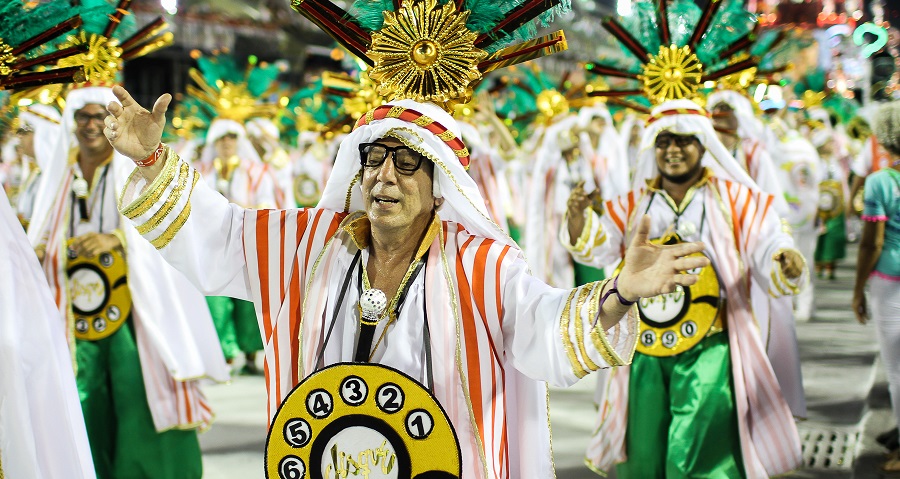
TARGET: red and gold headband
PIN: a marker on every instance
(420, 120)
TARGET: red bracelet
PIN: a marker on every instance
(150, 160)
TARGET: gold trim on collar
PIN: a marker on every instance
(360, 231)
(655, 185)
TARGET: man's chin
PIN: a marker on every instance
(679, 178)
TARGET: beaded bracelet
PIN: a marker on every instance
(615, 289)
(150, 160)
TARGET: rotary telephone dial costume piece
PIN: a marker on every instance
(676, 322)
(101, 300)
(361, 419)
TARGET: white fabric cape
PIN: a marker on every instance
(42, 433)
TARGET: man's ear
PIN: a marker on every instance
(438, 202)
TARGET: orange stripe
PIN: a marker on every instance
(630, 204)
(309, 241)
(262, 256)
(471, 340)
(610, 207)
(479, 267)
(296, 295)
(504, 445)
(187, 404)
(746, 207)
(731, 201)
(281, 265)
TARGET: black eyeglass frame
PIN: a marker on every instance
(682, 141)
(392, 150)
(84, 119)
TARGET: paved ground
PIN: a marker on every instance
(845, 391)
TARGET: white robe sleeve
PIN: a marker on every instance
(600, 243)
(554, 334)
(771, 239)
(195, 228)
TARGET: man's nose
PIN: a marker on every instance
(387, 172)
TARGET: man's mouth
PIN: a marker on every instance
(385, 200)
(674, 159)
(91, 135)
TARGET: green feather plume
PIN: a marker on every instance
(484, 15)
(95, 15)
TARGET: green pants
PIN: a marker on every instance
(514, 231)
(124, 441)
(681, 417)
(236, 324)
(586, 274)
(832, 245)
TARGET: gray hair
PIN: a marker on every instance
(887, 127)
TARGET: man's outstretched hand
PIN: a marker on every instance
(132, 130)
(652, 269)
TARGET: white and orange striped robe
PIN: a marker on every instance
(742, 234)
(497, 332)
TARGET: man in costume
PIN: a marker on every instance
(138, 359)
(701, 383)
(831, 246)
(464, 316)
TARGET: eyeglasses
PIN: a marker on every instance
(83, 119)
(24, 130)
(406, 160)
(681, 141)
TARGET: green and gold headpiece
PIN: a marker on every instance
(25, 59)
(226, 91)
(437, 50)
(673, 49)
(108, 40)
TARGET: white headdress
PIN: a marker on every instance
(749, 126)
(684, 117)
(401, 120)
(46, 123)
(56, 170)
(221, 127)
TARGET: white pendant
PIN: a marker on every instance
(372, 302)
(222, 185)
(80, 187)
(686, 229)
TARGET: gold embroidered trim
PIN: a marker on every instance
(565, 319)
(423, 121)
(167, 207)
(370, 116)
(462, 153)
(593, 304)
(446, 135)
(166, 237)
(395, 112)
(601, 342)
(355, 179)
(155, 190)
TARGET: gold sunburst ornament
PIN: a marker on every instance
(426, 53)
(7, 59)
(675, 72)
(550, 104)
(101, 62)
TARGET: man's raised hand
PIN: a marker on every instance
(132, 130)
(652, 269)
